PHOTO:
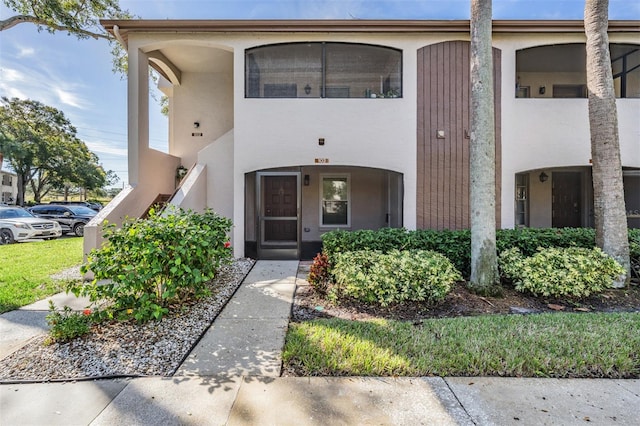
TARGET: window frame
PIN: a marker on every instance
(323, 66)
(347, 177)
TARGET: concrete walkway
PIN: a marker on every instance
(233, 377)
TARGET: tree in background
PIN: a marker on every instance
(41, 146)
(78, 17)
(608, 191)
(484, 262)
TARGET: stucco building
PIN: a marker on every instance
(294, 128)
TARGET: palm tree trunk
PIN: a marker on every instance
(608, 191)
(484, 265)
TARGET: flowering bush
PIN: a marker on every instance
(157, 262)
(66, 324)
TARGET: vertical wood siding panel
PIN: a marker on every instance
(420, 157)
(448, 108)
(460, 138)
(433, 153)
(439, 110)
(443, 164)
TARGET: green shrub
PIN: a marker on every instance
(573, 272)
(393, 277)
(66, 324)
(528, 240)
(456, 245)
(156, 262)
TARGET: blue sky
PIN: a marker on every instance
(75, 75)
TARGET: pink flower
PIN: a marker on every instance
(86, 312)
(227, 244)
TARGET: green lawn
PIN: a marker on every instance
(25, 269)
(544, 345)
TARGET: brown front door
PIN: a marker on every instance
(278, 219)
(566, 200)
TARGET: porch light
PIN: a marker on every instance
(543, 177)
(307, 89)
(196, 124)
(306, 180)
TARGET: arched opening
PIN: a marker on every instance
(559, 71)
(558, 197)
(288, 209)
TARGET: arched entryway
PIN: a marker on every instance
(288, 209)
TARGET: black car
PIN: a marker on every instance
(92, 205)
(71, 218)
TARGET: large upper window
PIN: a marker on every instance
(559, 71)
(323, 70)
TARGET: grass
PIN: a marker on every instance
(25, 270)
(544, 345)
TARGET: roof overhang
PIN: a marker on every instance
(354, 26)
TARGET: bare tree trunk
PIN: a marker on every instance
(608, 191)
(484, 263)
(22, 185)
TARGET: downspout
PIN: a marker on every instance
(116, 32)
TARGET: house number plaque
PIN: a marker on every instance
(322, 161)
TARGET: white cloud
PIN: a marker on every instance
(24, 52)
(99, 147)
(9, 74)
(69, 98)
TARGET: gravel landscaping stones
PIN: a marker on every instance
(125, 348)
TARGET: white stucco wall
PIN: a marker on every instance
(205, 98)
(380, 133)
(218, 158)
(544, 133)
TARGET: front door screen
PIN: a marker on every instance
(280, 209)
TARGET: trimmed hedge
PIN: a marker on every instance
(456, 245)
(574, 271)
(392, 277)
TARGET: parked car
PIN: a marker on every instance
(71, 218)
(17, 224)
(90, 204)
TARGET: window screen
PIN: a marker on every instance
(323, 70)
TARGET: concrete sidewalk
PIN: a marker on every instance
(260, 400)
(233, 377)
(19, 326)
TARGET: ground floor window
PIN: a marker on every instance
(335, 200)
(522, 200)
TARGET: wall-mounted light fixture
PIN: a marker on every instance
(542, 90)
(543, 177)
(307, 89)
(321, 141)
(196, 124)
(306, 180)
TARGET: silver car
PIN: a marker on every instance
(17, 224)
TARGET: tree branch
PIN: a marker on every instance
(11, 22)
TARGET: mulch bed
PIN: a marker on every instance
(461, 302)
